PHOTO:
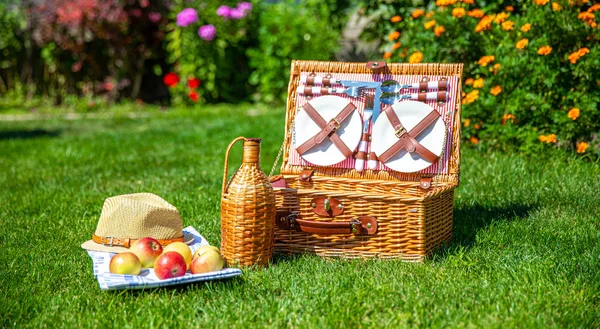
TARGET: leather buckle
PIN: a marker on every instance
(337, 124)
(400, 132)
(111, 241)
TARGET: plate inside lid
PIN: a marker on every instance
(410, 114)
(326, 153)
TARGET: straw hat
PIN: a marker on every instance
(127, 218)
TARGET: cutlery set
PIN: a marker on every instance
(388, 92)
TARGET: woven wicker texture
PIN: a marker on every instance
(247, 210)
(411, 221)
(139, 215)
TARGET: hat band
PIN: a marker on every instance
(111, 241)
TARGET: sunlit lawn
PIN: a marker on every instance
(525, 253)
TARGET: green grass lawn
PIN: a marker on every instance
(525, 253)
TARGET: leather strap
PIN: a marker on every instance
(126, 242)
(407, 139)
(327, 130)
(363, 225)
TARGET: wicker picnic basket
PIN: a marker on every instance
(374, 213)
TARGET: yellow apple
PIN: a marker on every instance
(182, 249)
(208, 261)
(125, 263)
(202, 249)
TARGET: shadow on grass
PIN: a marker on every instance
(28, 134)
(470, 220)
(228, 283)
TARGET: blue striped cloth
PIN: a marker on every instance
(147, 278)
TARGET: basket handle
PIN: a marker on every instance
(225, 170)
(362, 225)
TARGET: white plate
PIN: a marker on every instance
(410, 114)
(326, 153)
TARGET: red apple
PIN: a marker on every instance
(207, 261)
(182, 249)
(125, 263)
(147, 249)
(169, 265)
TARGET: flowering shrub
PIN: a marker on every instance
(208, 41)
(532, 68)
(96, 47)
(240, 50)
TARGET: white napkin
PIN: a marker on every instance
(147, 278)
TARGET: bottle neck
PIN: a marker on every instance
(251, 150)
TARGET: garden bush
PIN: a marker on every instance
(532, 68)
(248, 51)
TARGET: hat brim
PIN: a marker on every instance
(93, 246)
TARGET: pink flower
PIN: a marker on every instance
(207, 32)
(186, 17)
(154, 17)
(246, 7)
(224, 11)
(237, 13)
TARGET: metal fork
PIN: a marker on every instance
(362, 147)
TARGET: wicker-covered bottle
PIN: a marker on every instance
(247, 210)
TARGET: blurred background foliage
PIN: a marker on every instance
(532, 67)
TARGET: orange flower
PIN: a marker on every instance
(582, 146)
(574, 57)
(522, 43)
(469, 81)
(594, 8)
(439, 30)
(477, 13)
(469, 2)
(459, 12)
(471, 97)
(467, 122)
(545, 50)
(541, 2)
(496, 90)
(429, 24)
(551, 138)
(387, 55)
(443, 3)
(418, 13)
(556, 6)
(485, 60)
(474, 140)
(509, 8)
(526, 27)
(477, 126)
(543, 138)
(496, 68)
(394, 35)
(588, 18)
(484, 24)
(507, 117)
(508, 26)
(396, 45)
(430, 14)
(500, 18)
(478, 83)
(416, 57)
(573, 114)
(395, 19)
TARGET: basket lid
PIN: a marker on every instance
(444, 170)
